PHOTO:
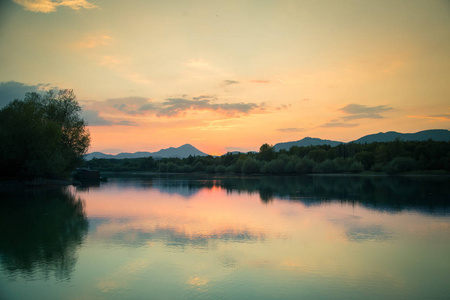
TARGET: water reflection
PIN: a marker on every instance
(137, 232)
(172, 237)
(428, 194)
(40, 232)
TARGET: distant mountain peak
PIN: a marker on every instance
(389, 136)
(305, 142)
(183, 151)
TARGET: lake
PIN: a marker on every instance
(211, 237)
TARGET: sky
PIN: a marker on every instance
(232, 75)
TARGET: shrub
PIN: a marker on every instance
(400, 164)
(356, 167)
(250, 165)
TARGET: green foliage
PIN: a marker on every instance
(267, 152)
(42, 136)
(344, 158)
(275, 166)
(400, 164)
(250, 165)
(356, 167)
(366, 158)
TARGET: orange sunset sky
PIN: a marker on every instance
(232, 75)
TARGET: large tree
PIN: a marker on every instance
(42, 135)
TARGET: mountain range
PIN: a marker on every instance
(390, 136)
(180, 152)
(188, 150)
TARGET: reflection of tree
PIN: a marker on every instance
(390, 193)
(40, 231)
(426, 194)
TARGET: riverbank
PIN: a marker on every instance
(13, 183)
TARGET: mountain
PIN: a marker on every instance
(434, 134)
(307, 141)
(180, 152)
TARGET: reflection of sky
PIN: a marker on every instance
(216, 241)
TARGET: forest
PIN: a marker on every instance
(379, 157)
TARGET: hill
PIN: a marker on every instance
(433, 134)
(307, 141)
(180, 152)
(390, 136)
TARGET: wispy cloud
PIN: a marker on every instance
(120, 64)
(125, 123)
(199, 64)
(230, 82)
(47, 6)
(171, 107)
(111, 60)
(260, 81)
(290, 129)
(176, 106)
(338, 124)
(93, 118)
(202, 97)
(440, 117)
(357, 111)
(94, 41)
(129, 105)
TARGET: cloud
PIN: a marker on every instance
(338, 124)
(93, 118)
(175, 106)
(260, 81)
(201, 97)
(440, 117)
(129, 105)
(46, 6)
(199, 64)
(11, 90)
(357, 111)
(290, 129)
(125, 123)
(96, 41)
(171, 107)
(120, 64)
(230, 82)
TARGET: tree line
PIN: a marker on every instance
(380, 157)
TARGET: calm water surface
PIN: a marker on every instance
(178, 237)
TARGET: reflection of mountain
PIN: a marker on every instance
(428, 194)
(40, 231)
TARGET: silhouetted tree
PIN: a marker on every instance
(42, 136)
(267, 152)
